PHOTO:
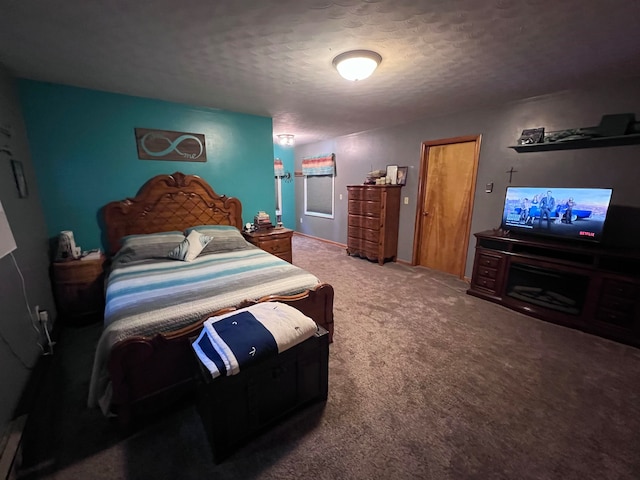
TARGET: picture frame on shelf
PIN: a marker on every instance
(21, 181)
(392, 173)
(401, 177)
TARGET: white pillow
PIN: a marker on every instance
(190, 247)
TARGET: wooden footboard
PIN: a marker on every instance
(150, 373)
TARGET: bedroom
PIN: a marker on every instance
(63, 121)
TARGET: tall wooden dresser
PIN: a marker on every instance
(374, 212)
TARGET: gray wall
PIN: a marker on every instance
(617, 167)
(18, 347)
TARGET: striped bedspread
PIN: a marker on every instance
(158, 295)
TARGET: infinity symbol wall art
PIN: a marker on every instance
(168, 145)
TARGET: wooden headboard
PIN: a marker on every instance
(169, 202)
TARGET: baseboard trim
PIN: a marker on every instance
(331, 242)
(342, 245)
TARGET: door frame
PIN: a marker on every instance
(422, 192)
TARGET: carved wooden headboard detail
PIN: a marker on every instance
(169, 202)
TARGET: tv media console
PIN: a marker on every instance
(585, 286)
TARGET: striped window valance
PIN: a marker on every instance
(278, 168)
(322, 165)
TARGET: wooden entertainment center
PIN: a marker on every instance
(590, 287)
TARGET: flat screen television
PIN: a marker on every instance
(571, 213)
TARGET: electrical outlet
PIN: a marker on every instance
(406, 200)
(44, 316)
(300, 219)
(340, 196)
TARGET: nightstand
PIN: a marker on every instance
(276, 241)
(79, 289)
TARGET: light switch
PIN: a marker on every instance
(406, 200)
(488, 188)
(340, 196)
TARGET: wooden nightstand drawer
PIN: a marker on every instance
(78, 286)
(276, 246)
(276, 241)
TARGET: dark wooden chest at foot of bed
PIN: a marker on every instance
(236, 408)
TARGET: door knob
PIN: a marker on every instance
(424, 214)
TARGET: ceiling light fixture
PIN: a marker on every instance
(357, 64)
(286, 139)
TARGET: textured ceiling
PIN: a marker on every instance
(273, 57)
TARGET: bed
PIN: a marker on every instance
(156, 305)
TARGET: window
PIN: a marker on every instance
(319, 195)
(278, 195)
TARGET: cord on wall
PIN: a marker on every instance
(43, 316)
(26, 301)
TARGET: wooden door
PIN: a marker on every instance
(443, 220)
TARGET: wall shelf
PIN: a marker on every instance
(631, 139)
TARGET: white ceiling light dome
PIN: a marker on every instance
(286, 139)
(357, 64)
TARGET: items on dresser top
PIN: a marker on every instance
(67, 248)
(262, 221)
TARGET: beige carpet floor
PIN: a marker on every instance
(425, 382)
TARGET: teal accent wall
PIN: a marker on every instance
(84, 152)
(286, 154)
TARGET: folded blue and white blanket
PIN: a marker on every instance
(247, 336)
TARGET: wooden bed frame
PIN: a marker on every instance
(149, 373)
